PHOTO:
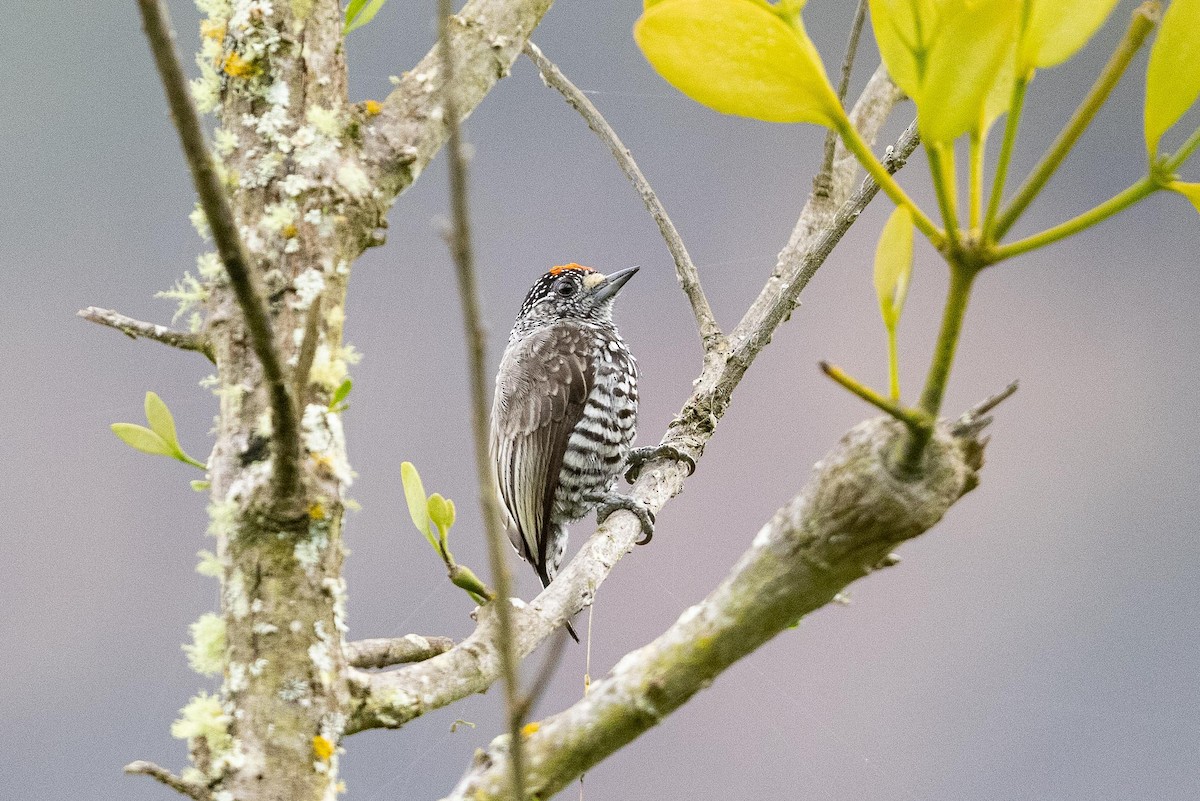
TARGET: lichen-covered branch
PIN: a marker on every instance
(685, 270)
(392, 699)
(843, 525)
(223, 225)
(192, 790)
(137, 328)
(384, 652)
(403, 138)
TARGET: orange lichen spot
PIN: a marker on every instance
(317, 511)
(372, 107)
(290, 230)
(211, 29)
(322, 748)
(560, 268)
(530, 729)
(238, 67)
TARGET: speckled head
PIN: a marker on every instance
(572, 292)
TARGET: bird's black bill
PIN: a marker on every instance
(613, 283)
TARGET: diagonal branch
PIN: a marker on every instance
(841, 527)
(392, 699)
(193, 790)
(230, 247)
(387, 651)
(410, 128)
(464, 262)
(137, 328)
(685, 270)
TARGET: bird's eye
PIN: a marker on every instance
(565, 289)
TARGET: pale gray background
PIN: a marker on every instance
(1040, 644)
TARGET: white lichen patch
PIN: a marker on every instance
(209, 565)
(294, 185)
(200, 222)
(236, 680)
(263, 628)
(331, 366)
(352, 178)
(204, 719)
(308, 551)
(322, 659)
(309, 284)
(206, 652)
(295, 691)
(324, 121)
(222, 519)
(225, 141)
(236, 600)
(187, 293)
(258, 666)
(336, 587)
(323, 437)
(278, 216)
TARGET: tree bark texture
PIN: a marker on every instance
(309, 177)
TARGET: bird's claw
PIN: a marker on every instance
(613, 502)
(639, 456)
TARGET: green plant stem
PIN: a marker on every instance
(893, 365)
(975, 200)
(855, 144)
(1119, 202)
(1015, 106)
(1140, 25)
(961, 279)
(912, 418)
(1183, 153)
(941, 169)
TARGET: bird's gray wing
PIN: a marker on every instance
(541, 389)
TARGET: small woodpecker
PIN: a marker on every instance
(564, 414)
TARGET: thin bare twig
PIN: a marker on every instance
(192, 790)
(159, 333)
(685, 270)
(975, 419)
(308, 352)
(387, 651)
(821, 183)
(230, 247)
(464, 260)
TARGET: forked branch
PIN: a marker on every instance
(392, 699)
(159, 333)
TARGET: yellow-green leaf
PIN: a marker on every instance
(360, 12)
(1190, 191)
(904, 31)
(971, 40)
(441, 512)
(160, 419)
(999, 97)
(893, 265)
(743, 57)
(142, 439)
(418, 505)
(1173, 75)
(1055, 30)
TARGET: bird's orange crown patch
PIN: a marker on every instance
(561, 268)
